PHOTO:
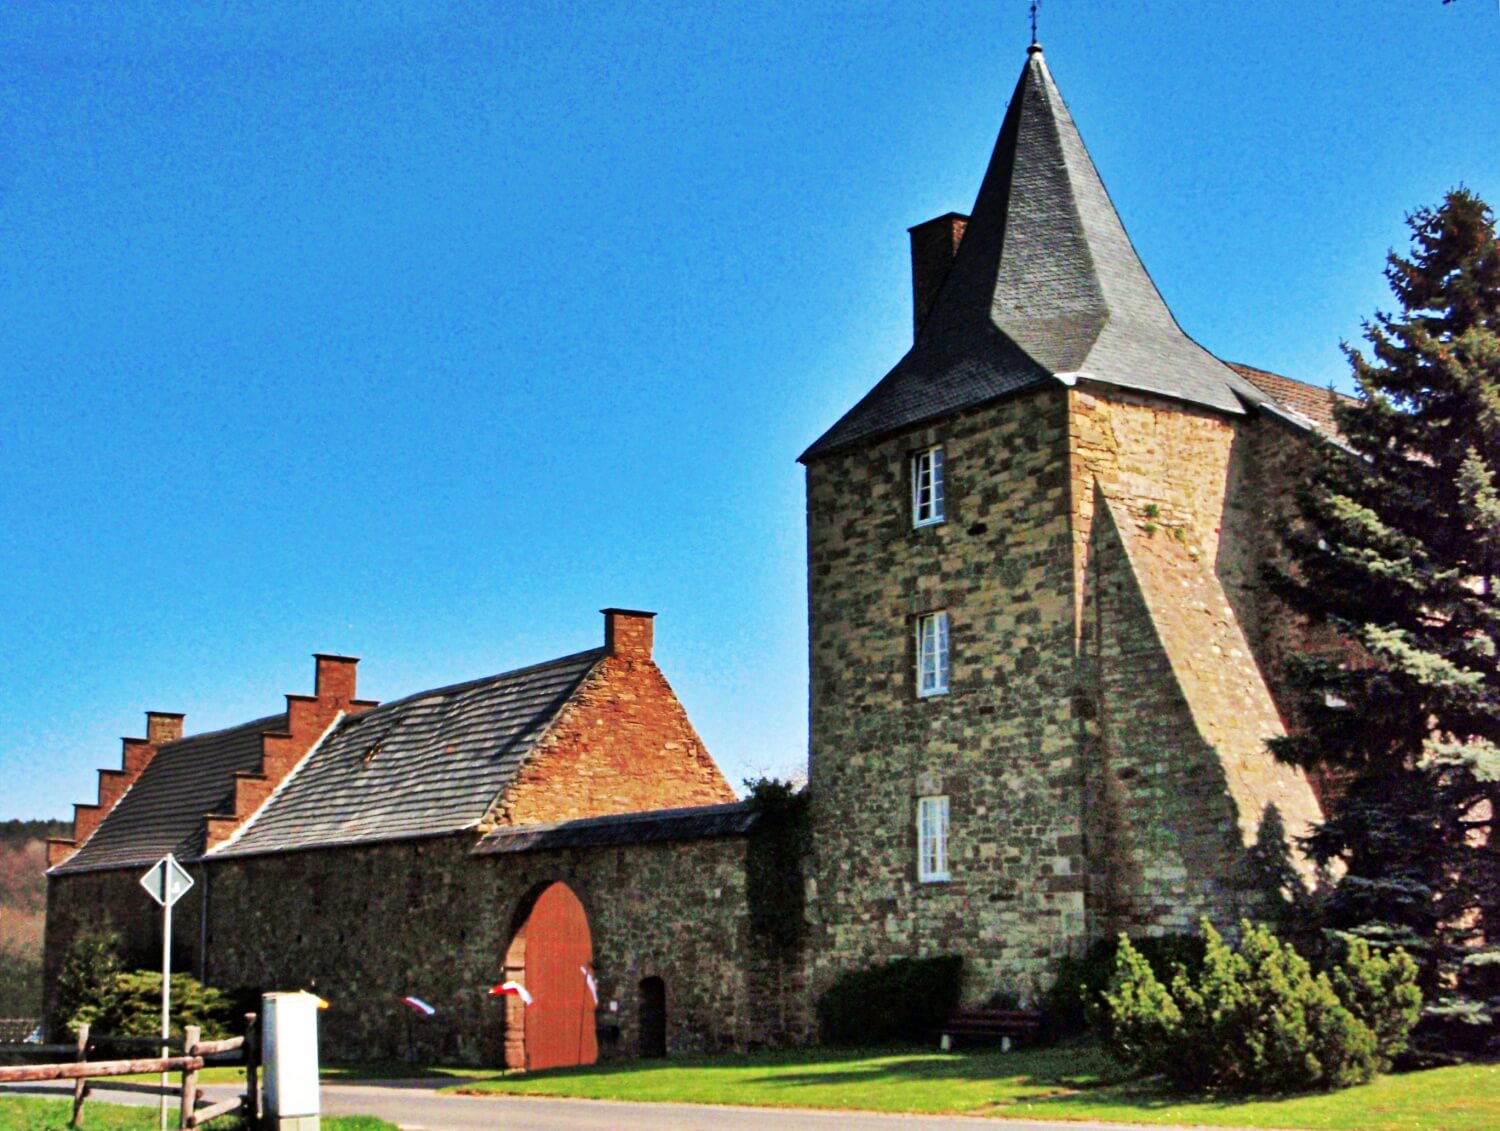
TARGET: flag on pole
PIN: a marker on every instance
(420, 1006)
(515, 988)
(588, 980)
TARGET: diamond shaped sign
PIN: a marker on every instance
(167, 881)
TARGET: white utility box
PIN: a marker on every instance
(289, 1056)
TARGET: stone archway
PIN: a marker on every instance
(552, 955)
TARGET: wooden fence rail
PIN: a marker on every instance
(81, 1070)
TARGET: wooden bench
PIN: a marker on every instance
(990, 1025)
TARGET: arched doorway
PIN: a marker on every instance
(552, 955)
(653, 1017)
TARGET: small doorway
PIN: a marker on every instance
(653, 1018)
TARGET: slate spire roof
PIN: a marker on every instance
(1046, 286)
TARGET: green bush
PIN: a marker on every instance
(904, 1000)
(89, 964)
(1258, 1019)
(128, 1004)
(1076, 1000)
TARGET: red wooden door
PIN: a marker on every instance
(559, 949)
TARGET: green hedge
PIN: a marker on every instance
(904, 1000)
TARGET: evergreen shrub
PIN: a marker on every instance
(1258, 1019)
(1076, 1000)
(128, 1004)
(904, 1000)
(94, 989)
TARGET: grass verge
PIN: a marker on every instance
(34, 1113)
(1069, 1082)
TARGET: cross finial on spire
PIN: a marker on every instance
(1033, 22)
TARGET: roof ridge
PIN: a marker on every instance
(465, 685)
(267, 721)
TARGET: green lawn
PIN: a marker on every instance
(1067, 1082)
(31, 1113)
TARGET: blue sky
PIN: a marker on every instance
(423, 331)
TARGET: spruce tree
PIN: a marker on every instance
(1397, 550)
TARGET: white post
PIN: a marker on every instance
(166, 986)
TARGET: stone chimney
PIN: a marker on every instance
(627, 632)
(934, 243)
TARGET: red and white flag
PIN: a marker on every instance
(515, 988)
(420, 1006)
(588, 980)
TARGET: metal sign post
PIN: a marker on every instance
(166, 881)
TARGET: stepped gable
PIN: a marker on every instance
(185, 795)
(1045, 286)
(428, 764)
(163, 810)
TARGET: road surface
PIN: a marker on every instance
(415, 1104)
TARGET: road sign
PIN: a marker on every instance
(167, 881)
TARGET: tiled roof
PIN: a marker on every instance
(1045, 286)
(428, 764)
(1310, 401)
(163, 811)
(734, 819)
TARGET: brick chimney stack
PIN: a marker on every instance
(628, 632)
(934, 243)
(163, 727)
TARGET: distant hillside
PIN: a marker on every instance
(23, 906)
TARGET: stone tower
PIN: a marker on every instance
(1038, 643)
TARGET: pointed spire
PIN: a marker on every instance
(1046, 285)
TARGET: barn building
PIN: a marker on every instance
(1043, 667)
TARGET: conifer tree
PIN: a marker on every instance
(1397, 550)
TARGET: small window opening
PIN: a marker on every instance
(927, 487)
(932, 654)
(932, 839)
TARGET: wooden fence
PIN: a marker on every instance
(81, 1070)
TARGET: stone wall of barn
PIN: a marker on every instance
(365, 926)
(114, 899)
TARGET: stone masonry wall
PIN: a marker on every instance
(114, 898)
(1184, 782)
(364, 926)
(623, 745)
(1002, 745)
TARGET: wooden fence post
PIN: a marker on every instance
(81, 1085)
(189, 1078)
(252, 1064)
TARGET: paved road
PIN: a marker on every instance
(410, 1104)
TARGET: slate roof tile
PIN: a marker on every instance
(428, 764)
(163, 810)
(697, 823)
(1045, 285)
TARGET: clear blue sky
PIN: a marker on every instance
(422, 331)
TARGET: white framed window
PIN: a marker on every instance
(932, 839)
(932, 654)
(927, 487)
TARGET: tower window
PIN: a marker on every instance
(932, 654)
(932, 839)
(927, 487)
